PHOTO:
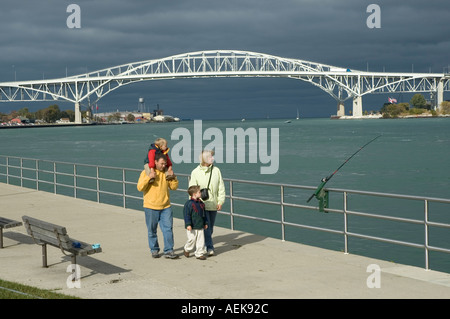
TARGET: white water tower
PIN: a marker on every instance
(141, 105)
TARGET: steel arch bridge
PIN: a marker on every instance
(341, 83)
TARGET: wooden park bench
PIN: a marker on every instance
(7, 223)
(44, 233)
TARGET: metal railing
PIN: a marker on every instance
(51, 176)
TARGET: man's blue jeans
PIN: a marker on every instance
(165, 219)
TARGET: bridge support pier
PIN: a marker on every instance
(440, 94)
(77, 113)
(340, 109)
(357, 106)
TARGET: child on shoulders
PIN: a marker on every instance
(160, 145)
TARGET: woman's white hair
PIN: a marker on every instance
(204, 156)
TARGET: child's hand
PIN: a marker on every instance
(206, 226)
(189, 228)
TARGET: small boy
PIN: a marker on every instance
(160, 145)
(195, 222)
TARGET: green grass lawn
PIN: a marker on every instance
(11, 290)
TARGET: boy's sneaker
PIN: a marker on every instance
(171, 255)
(186, 254)
(201, 257)
(170, 177)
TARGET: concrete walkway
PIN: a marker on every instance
(246, 266)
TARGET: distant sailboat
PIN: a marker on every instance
(298, 116)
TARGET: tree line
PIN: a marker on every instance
(419, 106)
(49, 114)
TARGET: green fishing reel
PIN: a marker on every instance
(322, 196)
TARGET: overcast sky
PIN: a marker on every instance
(37, 43)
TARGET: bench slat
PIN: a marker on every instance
(48, 237)
(45, 240)
(86, 249)
(44, 225)
(47, 233)
(8, 223)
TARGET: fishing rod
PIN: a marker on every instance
(326, 179)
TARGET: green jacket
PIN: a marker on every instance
(200, 176)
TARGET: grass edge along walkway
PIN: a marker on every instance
(12, 290)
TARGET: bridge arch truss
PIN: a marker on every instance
(340, 83)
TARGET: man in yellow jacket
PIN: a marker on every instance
(157, 206)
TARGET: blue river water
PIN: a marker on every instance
(411, 157)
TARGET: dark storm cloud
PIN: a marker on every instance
(36, 42)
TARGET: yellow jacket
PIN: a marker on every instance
(156, 194)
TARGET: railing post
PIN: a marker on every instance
(37, 175)
(231, 206)
(75, 180)
(345, 224)
(123, 189)
(21, 172)
(282, 213)
(54, 177)
(98, 185)
(7, 170)
(427, 266)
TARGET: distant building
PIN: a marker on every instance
(157, 116)
(17, 120)
(147, 116)
(63, 120)
(158, 111)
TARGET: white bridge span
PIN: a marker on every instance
(341, 83)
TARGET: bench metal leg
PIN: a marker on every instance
(44, 255)
(75, 274)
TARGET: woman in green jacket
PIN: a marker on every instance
(200, 176)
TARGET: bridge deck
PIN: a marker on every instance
(246, 265)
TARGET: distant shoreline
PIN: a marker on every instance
(376, 117)
(44, 125)
(345, 117)
(67, 124)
